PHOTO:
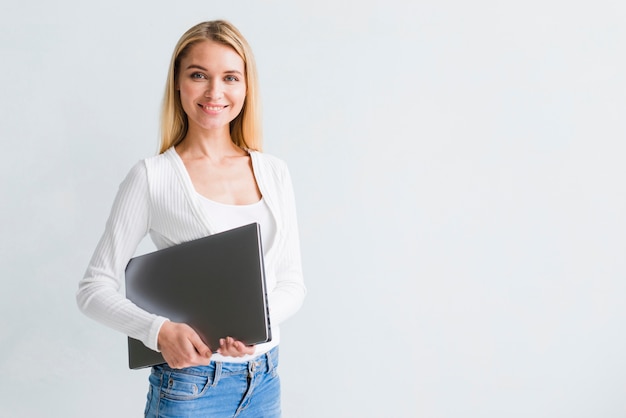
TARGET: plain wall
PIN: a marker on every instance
(459, 171)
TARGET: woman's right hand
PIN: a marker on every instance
(182, 347)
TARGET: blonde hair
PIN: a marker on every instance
(245, 129)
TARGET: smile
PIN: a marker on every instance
(212, 108)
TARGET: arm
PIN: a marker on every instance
(98, 293)
(288, 295)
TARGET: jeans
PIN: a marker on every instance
(243, 390)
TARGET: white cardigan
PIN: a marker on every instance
(158, 197)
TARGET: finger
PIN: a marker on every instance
(203, 350)
(239, 348)
(235, 345)
(227, 347)
(224, 343)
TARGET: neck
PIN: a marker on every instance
(213, 144)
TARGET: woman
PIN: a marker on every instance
(210, 176)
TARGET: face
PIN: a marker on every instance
(212, 86)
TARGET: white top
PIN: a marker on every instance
(227, 217)
(157, 197)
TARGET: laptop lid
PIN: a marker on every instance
(215, 284)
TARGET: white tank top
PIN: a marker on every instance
(225, 217)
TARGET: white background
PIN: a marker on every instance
(459, 172)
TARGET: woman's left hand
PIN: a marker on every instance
(233, 348)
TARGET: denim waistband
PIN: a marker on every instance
(263, 363)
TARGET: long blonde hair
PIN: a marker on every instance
(245, 129)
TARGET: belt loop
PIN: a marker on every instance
(270, 363)
(217, 374)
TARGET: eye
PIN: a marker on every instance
(197, 76)
(231, 78)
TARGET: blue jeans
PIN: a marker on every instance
(243, 390)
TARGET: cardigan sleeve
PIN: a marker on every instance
(288, 295)
(98, 293)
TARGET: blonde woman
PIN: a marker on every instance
(209, 176)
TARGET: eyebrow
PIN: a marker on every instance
(199, 67)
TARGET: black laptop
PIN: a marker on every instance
(215, 284)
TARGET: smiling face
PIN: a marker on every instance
(212, 86)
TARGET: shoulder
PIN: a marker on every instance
(159, 159)
(137, 173)
(147, 169)
(160, 165)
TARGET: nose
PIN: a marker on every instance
(214, 89)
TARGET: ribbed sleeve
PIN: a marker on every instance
(284, 259)
(98, 293)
